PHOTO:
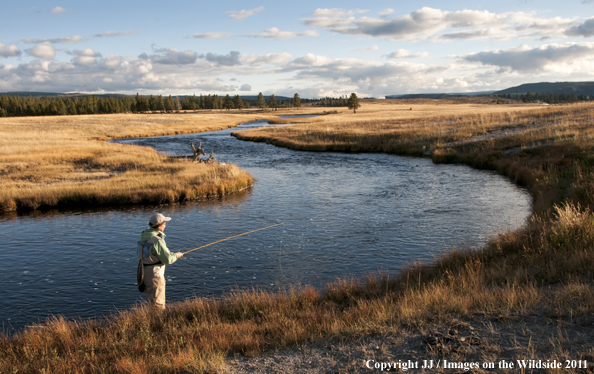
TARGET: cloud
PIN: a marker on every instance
(405, 53)
(112, 61)
(112, 34)
(170, 56)
(370, 48)
(497, 33)
(585, 29)
(369, 76)
(212, 35)
(10, 51)
(554, 57)
(67, 40)
(223, 60)
(279, 59)
(244, 13)
(43, 50)
(126, 76)
(85, 57)
(312, 60)
(337, 12)
(275, 33)
(245, 87)
(58, 9)
(87, 52)
(386, 12)
(427, 22)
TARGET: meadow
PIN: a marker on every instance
(537, 281)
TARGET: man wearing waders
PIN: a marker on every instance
(154, 255)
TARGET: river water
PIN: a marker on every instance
(343, 215)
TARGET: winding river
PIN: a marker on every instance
(343, 215)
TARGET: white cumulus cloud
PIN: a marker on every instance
(43, 50)
(85, 57)
(58, 9)
(112, 61)
(10, 51)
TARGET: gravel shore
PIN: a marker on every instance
(475, 344)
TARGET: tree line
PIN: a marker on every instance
(551, 98)
(18, 106)
(328, 101)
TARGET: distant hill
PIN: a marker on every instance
(437, 95)
(578, 88)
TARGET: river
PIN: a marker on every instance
(343, 215)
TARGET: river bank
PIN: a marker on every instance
(66, 161)
(541, 271)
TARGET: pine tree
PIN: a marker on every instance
(353, 102)
(260, 102)
(169, 105)
(296, 101)
(272, 102)
(227, 102)
(237, 102)
(160, 105)
(152, 103)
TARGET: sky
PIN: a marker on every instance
(314, 48)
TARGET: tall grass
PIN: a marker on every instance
(543, 269)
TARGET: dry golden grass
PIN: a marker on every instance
(542, 271)
(66, 160)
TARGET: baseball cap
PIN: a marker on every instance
(158, 219)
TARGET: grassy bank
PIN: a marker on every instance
(67, 161)
(542, 272)
(548, 149)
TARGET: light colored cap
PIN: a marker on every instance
(158, 219)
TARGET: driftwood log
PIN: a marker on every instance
(199, 152)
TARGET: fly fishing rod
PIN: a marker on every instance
(231, 237)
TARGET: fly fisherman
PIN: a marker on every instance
(154, 255)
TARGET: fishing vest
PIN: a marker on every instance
(147, 253)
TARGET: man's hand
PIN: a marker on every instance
(179, 255)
